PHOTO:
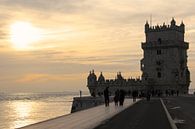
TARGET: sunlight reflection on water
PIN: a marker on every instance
(19, 113)
(23, 110)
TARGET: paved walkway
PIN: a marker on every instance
(182, 111)
(86, 119)
(142, 115)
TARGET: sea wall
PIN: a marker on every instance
(81, 103)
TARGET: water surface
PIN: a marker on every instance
(18, 110)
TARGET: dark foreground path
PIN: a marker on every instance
(182, 111)
(142, 115)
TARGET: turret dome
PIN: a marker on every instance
(101, 78)
(173, 22)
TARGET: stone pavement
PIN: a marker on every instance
(182, 111)
(142, 115)
(86, 119)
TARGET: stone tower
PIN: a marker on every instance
(164, 65)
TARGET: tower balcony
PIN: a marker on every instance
(165, 44)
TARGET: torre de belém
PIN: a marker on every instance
(164, 64)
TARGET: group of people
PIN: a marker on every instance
(171, 92)
(119, 97)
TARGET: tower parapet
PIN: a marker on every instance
(159, 33)
(164, 27)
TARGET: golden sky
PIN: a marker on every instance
(70, 37)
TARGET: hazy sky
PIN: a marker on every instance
(75, 36)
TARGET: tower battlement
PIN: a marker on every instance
(164, 27)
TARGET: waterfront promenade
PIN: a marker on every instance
(143, 115)
(86, 119)
(140, 115)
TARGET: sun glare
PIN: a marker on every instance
(23, 35)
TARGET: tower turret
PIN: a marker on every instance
(147, 26)
(173, 22)
(91, 79)
(101, 78)
(182, 27)
(119, 76)
(92, 83)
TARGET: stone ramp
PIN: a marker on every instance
(86, 119)
(142, 115)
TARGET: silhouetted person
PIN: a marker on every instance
(177, 92)
(80, 93)
(159, 93)
(116, 97)
(121, 97)
(172, 92)
(167, 93)
(134, 94)
(106, 97)
(129, 93)
(148, 96)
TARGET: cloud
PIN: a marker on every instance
(33, 77)
(65, 6)
(42, 77)
(104, 35)
(60, 62)
(45, 77)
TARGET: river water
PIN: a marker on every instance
(20, 109)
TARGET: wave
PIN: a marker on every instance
(36, 96)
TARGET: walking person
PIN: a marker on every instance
(106, 97)
(116, 97)
(177, 92)
(134, 94)
(121, 97)
(148, 96)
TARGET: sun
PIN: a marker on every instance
(23, 35)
